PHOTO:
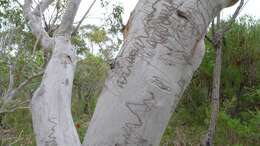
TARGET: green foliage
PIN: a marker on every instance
(89, 79)
(238, 121)
(98, 35)
(114, 20)
(239, 131)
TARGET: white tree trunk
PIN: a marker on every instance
(51, 103)
(164, 47)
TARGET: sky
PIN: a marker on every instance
(252, 8)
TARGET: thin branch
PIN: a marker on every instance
(17, 139)
(35, 22)
(84, 16)
(45, 23)
(234, 16)
(16, 107)
(209, 39)
(219, 33)
(52, 15)
(35, 46)
(9, 96)
(11, 93)
(218, 45)
(11, 80)
(24, 83)
(54, 19)
(68, 18)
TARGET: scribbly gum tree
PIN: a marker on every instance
(51, 102)
(164, 46)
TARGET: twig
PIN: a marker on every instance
(35, 46)
(234, 16)
(209, 39)
(84, 16)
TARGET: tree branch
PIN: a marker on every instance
(35, 22)
(218, 45)
(84, 16)
(234, 16)
(209, 39)
(27, 81)
(11, 80)
(17, 106)
(68, 18)
(11, 92)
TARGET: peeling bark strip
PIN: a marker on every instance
(164, 46)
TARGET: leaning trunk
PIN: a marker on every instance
(51, 103)
(208, 140)
(164, 47)
(218, 44)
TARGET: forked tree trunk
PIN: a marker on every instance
(51, 103)
(164, 47)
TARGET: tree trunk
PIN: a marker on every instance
(164, 47)
(51, 103)
(217, 43)
(208, 140)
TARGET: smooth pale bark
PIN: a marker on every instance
(51, 103)
(164, 47)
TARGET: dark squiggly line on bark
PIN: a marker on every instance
(52, 138)
(159, 82)
(130, 135)
(155, 33)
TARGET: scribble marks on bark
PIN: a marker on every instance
(123, 72)
(51, 137)
(138, 110)
(156, 31)
(160, 83)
